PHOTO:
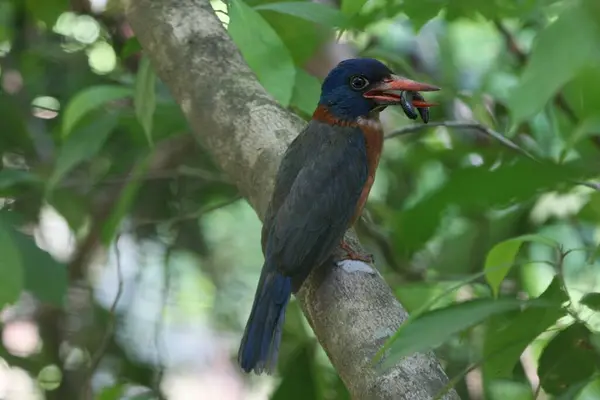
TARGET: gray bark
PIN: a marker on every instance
(350, 308)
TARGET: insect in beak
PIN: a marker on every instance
(413, 102)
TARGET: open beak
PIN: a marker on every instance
(383, 93)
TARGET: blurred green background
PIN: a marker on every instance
(128, 261)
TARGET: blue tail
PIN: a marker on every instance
(260, 344)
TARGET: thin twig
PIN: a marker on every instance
(511, 42)
(191, 215)
(203, 174)
(154, 175)
(485, 130)
(159, 324)
(225, 13)
(528, 363)
(110, 324)
(101, 213)
(462, 125)
(45, 108)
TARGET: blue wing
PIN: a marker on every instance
(318, 186)
(321, 202)
(293, 160)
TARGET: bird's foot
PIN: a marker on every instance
(353, 255)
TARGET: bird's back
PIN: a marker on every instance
(318, 186)
(297, 153)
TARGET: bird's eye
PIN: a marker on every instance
(358, 82)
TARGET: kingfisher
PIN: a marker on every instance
(321, 187)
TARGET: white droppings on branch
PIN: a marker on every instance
(353, 266)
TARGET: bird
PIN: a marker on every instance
(321, 187)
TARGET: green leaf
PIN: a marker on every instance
(478, 189)
(588, 127)
(301, 37)
(506, 338)
(307, 91)
(299, 376)
(112, 393)
(14, 177)
(567, 359)
(581, 94)
(591, 300)
(81, 145)
(14, 134)
(7, 16)
(131, 47)
(263, 50)
(90, 99)
(352, 7)
(339, 388)
(125, 201)
(415, 296)
(457, 9)
(145, 97)
(504, 390)
(590, 390)
(11, 267)
(41, 274)
(591, 213)
(47, 11)
(575, 391)
(559, 52)
(314, 12)
(45, 277)
(422, 11)
(501, 258)
(71, 205)
(432, 328)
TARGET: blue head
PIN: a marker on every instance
(357, 87)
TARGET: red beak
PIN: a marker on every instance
(423, 104)
(383, 92)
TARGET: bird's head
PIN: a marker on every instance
(360, 86)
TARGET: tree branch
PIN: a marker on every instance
(350, 308)
(109, 332)
(461, 125)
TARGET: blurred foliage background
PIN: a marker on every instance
(128, 262)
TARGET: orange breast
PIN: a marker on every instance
(373, 132)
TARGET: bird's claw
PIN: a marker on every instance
(350, 254)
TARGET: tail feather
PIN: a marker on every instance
(260, 344)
